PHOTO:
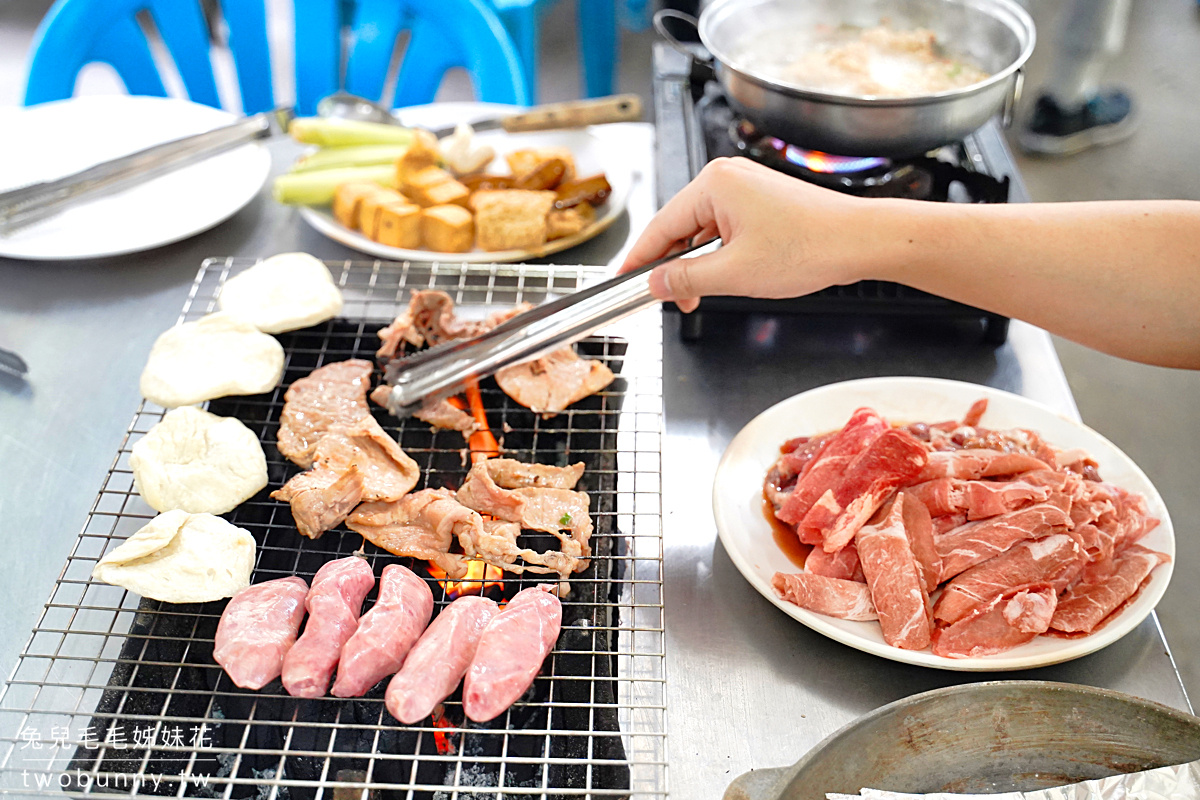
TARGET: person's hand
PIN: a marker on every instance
(781, 237)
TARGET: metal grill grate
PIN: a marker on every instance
(118, 696)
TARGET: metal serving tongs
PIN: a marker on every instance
(37, 201)
(446, 369)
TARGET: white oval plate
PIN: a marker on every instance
(56, 139)
(592, 155)
(747, 535)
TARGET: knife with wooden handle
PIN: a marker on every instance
(573, 114)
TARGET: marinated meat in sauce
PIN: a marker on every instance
(510, 653)
(257, 628)
(549, 384)
(439, 659)
(1011, 537)
(335, 394)
(386, 633)
(333, 604)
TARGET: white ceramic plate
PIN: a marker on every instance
(747, 535)
(591, 152)
(56, 139)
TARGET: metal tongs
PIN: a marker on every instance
(37, 201)
(447, 369)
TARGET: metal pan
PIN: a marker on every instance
(986, 737)
(996, 35)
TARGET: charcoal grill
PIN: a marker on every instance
(117, 696)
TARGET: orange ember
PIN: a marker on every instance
(480, 577)
(483, 444)
(445, 747)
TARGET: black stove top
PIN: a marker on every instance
(692, 110)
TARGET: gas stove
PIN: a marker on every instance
(696, 124)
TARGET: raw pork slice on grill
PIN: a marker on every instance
(1104, 587)
(894, 580)
(335, 394)
(890, 461)
(549, 384)
(421, 525)
(976, 542)
(833, 597)
(333, 604)
(1055, 560)
(257, 628)
(321, 499)
(439, 659)
(511, 650)
(1007, 621)
(829, 464)
(386, 633)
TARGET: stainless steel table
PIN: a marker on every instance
(747, 686)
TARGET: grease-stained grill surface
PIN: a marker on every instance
(125, 698)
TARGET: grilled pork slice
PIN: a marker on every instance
(386, 633)
(429, 319)
(1104, 587)
(549, 384)
(439, 659)
(561, 512)
(510, 653)
(321, 499)
(1009, 620)
(421, 525)
(257, 628)
(833, 597)
(895, 581)
(512, 474)
(335, 394)
(443, 415)
(333, 604)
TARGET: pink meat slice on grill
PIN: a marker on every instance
(918, 527)
(257, 628)
(976, 542)
(512, 474)
(826, 469)
(549, 384)
(895, 583)
(1007, 621)
(335, 394)
(843, 564)
(890, 461)
(1104, 587)
(510, 653)
(386, 633)
(1055, 560)
(833, 597)
(421, 525)
(439, 659)
(321, 499)
(333, 603)
(976, 464)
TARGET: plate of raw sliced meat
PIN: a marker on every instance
(944, 524)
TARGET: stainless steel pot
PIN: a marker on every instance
(986, 738)
(996, 35)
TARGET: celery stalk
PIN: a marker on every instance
(316, 187)
(364, 155)
(345, 132)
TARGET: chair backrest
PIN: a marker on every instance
(79, 32)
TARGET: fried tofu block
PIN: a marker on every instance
(511, 219)
(368, 210)
(434, 186)
(522, 162)
(399, 225)
(347, 200)
(563, 222)
(448, 229)
(422, 153)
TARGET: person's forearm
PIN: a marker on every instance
(1120, 277)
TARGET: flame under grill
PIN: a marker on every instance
(133, 684)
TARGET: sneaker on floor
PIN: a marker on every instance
(1054, 131)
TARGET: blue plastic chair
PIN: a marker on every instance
(79, 32)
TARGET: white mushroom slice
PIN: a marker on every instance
(215, 356)
(182, 558)
(283, 293)
(198, 462)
